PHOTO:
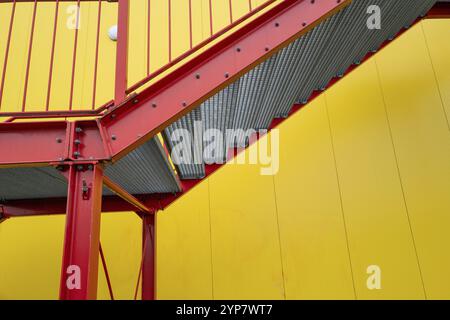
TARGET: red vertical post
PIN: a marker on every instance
(122, 52)
(148, 258)
(82, 238)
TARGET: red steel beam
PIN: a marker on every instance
(148, 285)
(82, 237)
(53, 206)
(33, 143)
(139, 119)
(38, 143)
(440, 10)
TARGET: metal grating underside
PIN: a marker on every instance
(252, 102)
(31, 183)
(145, 170)
(309, 63)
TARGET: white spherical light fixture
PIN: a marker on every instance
(112, 33)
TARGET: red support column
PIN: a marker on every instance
(122, 52)
(82, 238)
(148, 258)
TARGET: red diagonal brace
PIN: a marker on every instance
(81, 245)
(121, 192)
(159, 105)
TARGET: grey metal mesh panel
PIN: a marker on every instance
(307, 64)
(31, 183)
(190, 142)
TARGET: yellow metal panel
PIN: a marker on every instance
(137, 44)
(437, 33)
(121, 237)
(30, 264)
(31, 253)
(184, 248)
(244, 231)
(40, 58)
(107, 55)
(84, 71)
(5, 15)
(159, 34)
(315, 255)
(372, 200)
(421, 139)
(15, 72)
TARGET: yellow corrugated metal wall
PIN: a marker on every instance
(364, 180)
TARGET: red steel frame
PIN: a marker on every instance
(82, 241)
(80, 148)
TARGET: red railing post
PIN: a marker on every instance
(82, 237)
(148, 258)
(122, 52)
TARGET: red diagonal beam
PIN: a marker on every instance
(122, 193)
(159, 105)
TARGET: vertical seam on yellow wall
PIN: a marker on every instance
(340, 196)
(435, 75)
(85, 58)
(210, 240)
(399, 176)
(279, 237)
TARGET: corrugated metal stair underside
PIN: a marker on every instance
(290, 76)
(252, 102)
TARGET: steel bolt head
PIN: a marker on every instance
(78, 130)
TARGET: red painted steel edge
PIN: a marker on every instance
(440, 10)
(82, 236)
(175, 95)
(52, 206)
(39, 143)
